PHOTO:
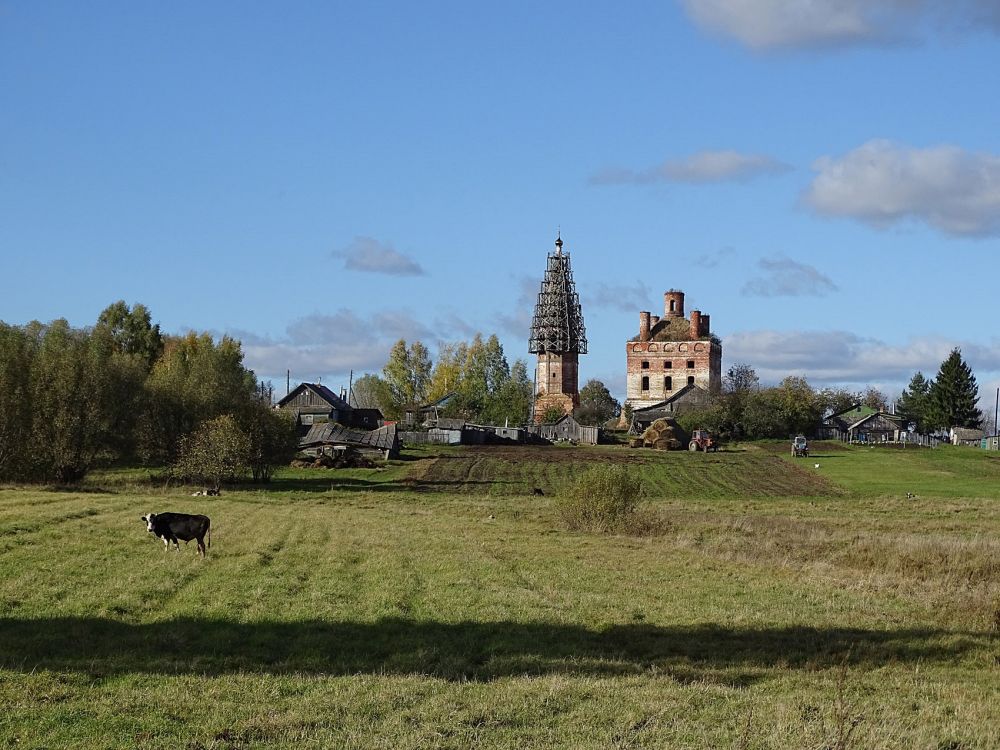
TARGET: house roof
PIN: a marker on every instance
(384, 438)
(335, 401)
(666, 402)
(896, 420)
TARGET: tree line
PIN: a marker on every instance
(72, 399)
(484, 388)
(743, 409)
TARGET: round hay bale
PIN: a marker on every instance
(635, 442)
(662, 444)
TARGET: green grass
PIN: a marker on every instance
(437, 603)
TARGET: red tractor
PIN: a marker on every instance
(703, 440)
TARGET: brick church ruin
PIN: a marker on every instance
(671, 353)
(558, 337)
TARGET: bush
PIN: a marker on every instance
(217, 451)
(607, 499)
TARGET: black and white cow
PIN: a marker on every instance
(173, 526)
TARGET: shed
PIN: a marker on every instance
(567, 429)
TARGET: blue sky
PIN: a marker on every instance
(321, 178)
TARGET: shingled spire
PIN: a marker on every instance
(558, 337)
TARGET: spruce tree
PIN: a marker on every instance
(954, 396)
(914, 402)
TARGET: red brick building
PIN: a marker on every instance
(670, 353)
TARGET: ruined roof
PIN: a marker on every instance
(330, 433)
(557, 326)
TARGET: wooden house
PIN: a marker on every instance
(314, 403)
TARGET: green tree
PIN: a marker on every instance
(272, 439)
(914, 402)
(195, 380)
(446, 377)
(133, 331)
(836, 400)
(369, 392)
(552, 414)
(72, 398)
(873, 398)
(511, 404)
(217, 451)
(597, 405)
(954, 396)
(798, 408)
(739, 385)
(406, 375)
(16, 355)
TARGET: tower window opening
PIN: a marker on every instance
(668, 383)
(668, 365)
(645, 365)
(690, 364)
(645, 383)
(690, 379)
(673, 305)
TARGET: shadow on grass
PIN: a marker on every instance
(462, 651)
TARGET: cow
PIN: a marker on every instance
(173, 526)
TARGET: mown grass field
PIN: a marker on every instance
(437, 602)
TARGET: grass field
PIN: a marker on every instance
(436, 602)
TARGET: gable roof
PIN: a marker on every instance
(893, 418)
(335, 401)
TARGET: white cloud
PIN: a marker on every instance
(702, 167)
(318, 345)
(827, 357)
(372, 256)
(784, 277)
(767, 24)
(883, 183)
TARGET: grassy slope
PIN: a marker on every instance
(431, 604)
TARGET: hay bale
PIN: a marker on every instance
(635, 442)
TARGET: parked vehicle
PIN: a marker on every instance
(703, 440)
(800, 446)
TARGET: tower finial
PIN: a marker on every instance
(559, 242)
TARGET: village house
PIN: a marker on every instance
(314, 403)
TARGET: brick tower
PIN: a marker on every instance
(558, 337)
(671, 353)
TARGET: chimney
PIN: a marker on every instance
(673, 304)
(644, 326)
(695, 324)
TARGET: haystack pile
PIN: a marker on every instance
(662, 436)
